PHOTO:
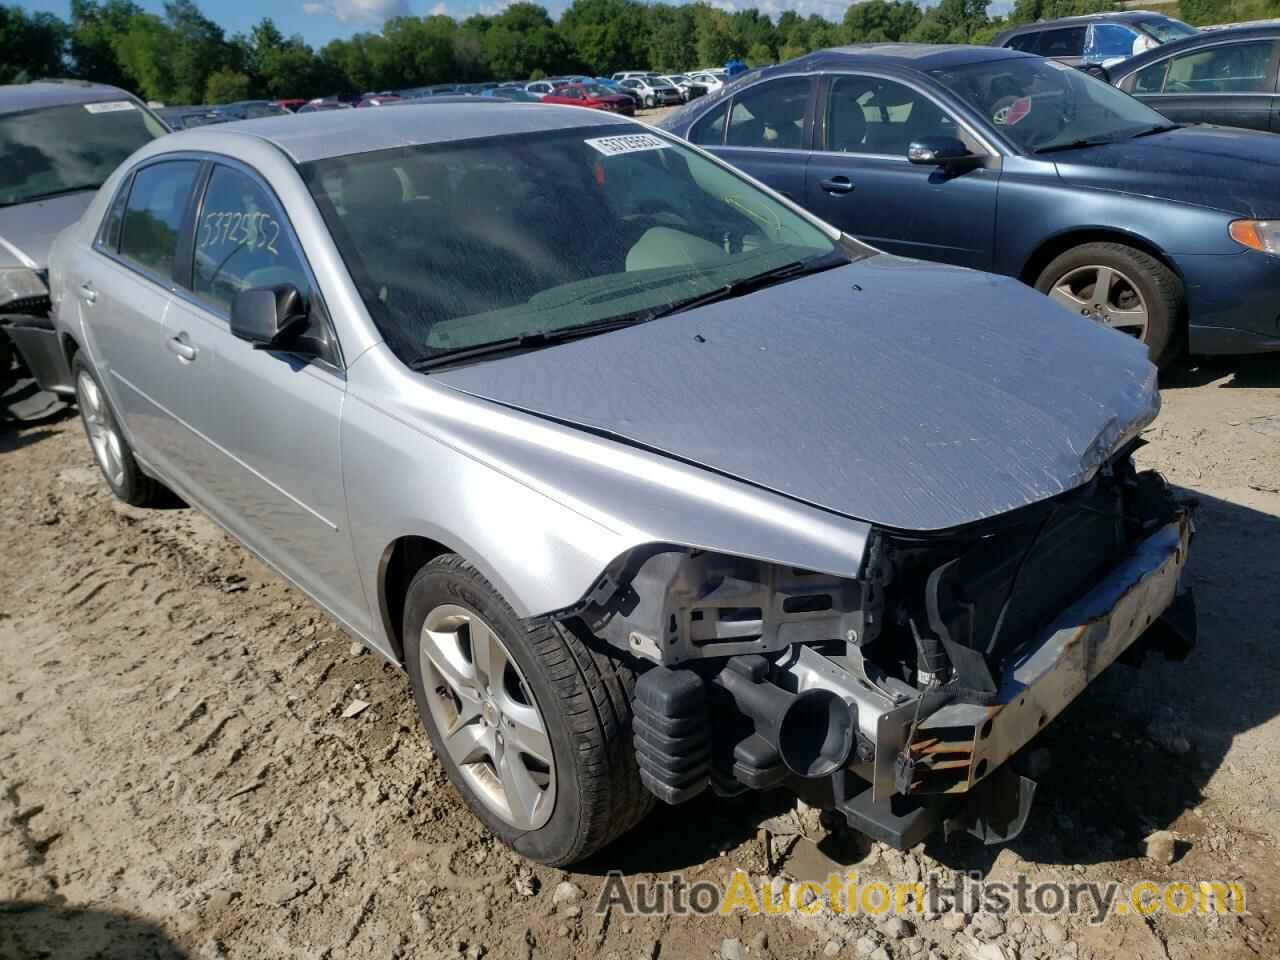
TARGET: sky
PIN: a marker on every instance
(319, 21)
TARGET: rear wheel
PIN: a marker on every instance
(1122, 287)
(110, 448)
(532, 727)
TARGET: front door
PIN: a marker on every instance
(265, 424)
(859, 177)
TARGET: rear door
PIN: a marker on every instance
(765, 130)
(124, 289)
(265, 423)
(1232, 84)
(859, 177)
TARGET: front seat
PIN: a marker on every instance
(846, 125)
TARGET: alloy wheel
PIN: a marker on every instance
(104, 438)
(487, 717)
(1106, 295)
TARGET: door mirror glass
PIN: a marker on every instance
(938, 151)
(269, 317)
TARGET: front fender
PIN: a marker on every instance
(542, 509)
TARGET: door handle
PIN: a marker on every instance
(836, 185)
(185, 351)
(87, 293)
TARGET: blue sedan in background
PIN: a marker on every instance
(1010, 163)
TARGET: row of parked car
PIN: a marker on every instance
(654, 481)
(624, 92)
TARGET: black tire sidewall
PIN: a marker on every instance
(135, 487)
(456, 582)
(1161, 301)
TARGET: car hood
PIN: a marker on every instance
(1223, 167)
(27, 230)
(912, 395)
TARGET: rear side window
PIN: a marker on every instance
(154, 212)
(1064, 42)
(770, 115)
(242, 241)
(109, 234)
(709, 131)
(1233, 68)
(1025, 42)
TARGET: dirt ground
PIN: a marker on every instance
(177, 779)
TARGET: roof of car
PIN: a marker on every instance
(16, 97)
(1204, 38)
(1122, 16)
(914, 56)
(317, 136)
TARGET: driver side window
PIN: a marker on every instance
(242, 241)
(873, 116)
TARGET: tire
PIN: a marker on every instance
(649, 102)
(111, 451)
(1159, 293)
(589, 791)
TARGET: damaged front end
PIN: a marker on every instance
(896, 699)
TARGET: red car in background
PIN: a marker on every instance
(291, 105)
(591, 95)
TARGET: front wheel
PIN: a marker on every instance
(532, 726)
(1121, 287)
(650, 102)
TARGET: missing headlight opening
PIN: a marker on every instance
(897, 699)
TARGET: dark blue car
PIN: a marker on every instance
(1010, 163)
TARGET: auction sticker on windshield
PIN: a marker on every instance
(630, 143)
(109, 106)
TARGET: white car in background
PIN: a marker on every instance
(539, 88)
(711, 81)
(684, 84)
(653, 91)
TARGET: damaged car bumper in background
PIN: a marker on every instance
(953, 651)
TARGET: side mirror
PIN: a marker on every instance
(269, 317)
(938, 151)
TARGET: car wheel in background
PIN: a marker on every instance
(650, 102)
(1122, 287)
(111, 450)
(532, 727)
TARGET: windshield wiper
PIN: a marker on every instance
(1072, 145)
(744, 285)
(1158, 128)
(49, 195)
(523, 341)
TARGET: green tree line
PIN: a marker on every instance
(182, 56)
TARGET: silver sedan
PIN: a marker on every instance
(651, 481)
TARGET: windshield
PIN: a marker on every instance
(1167, 30)
(63, 149)
(462, 244)
(1043, 105)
